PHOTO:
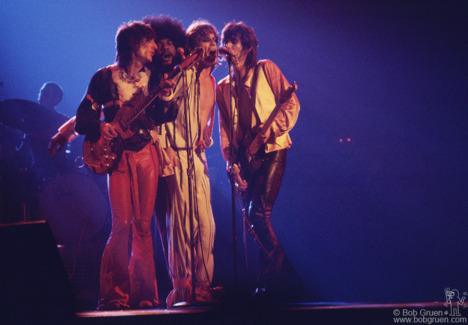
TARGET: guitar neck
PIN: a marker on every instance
(255, 145)
(153, 93)
(189, 61)
(286, 96)
(271, 118)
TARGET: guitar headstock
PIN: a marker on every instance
(288, 93)
(195, 56)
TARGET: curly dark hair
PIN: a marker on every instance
(240, 31)
(167, 27)
(128, 38)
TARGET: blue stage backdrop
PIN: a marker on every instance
(374, 203)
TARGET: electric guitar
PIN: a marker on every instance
(249, 161)
(103, 156)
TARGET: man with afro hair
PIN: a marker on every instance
(170, 38)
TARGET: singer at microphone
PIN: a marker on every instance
(258, 101)
(228, 54)
(224, 51)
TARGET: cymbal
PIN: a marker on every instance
(26, 116)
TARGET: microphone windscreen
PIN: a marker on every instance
(223, 50)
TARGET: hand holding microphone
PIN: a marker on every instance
(180, 53)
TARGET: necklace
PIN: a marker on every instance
(129, 80)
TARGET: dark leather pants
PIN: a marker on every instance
(263, 189)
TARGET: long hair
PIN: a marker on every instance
(197, 30)
(167, 27)
(128, 38)
(246, 35)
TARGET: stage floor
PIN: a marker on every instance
(301, 313)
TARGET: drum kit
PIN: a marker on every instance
(71, 201)
(26, 116)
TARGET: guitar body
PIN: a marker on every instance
(102, 156)
(249, 159)
(248, 163)
(120, 124)
(248, 168)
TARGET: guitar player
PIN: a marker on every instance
(257, 88)
(127, 280)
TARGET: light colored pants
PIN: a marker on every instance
(178, 229)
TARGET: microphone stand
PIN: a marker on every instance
(231, 176)
(190, 175)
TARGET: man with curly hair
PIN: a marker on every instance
(170, 39)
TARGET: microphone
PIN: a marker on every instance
(224, 51)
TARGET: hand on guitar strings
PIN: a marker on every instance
(108, 132)
(239, 182)
(263, 135)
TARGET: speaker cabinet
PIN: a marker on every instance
(34, 286)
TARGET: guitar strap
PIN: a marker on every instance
(253, 89)
(112, 88)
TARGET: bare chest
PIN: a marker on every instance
(207, 100)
